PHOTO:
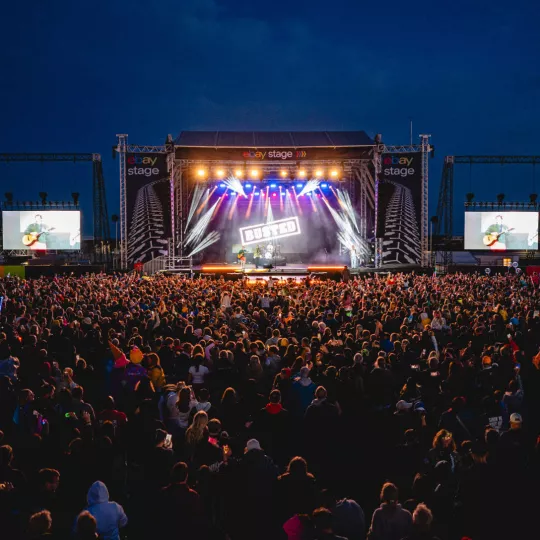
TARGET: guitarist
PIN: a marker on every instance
(242, 257)
(38, 227)
(496, 235)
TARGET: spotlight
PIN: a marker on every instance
(533, 197)
(239, 173)
(201, 173)
(222, 185)
(9, 197)
(43, 196)
(319, 173)
(470, 197)
(283, 173)
(301, 173)
(324, 185)
(299, 186)
(254, 173)
(500, 198)
(220, 173)
(334, 173)
(75, 198)
(256, 194)
(233, 193)
(274, 194)
(248, 186)
(273, 186)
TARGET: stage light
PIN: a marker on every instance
(233, 193)
(239, 173)
(319, 173)
(274, 194)
(500, 198)
(334, 173)
(248, 186)
(273, 186)
(308, 194)
(254, 173)
(299, 186)
(324, 185)
(201, 173)
(470, 197)
(256, 194)
(301, 173)
(284, 173)
(222, 185)
(220, 173)
(75, 198)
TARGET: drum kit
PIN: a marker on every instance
(271, 251)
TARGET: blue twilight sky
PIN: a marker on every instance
(76, 73)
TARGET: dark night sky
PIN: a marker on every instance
(76, 73)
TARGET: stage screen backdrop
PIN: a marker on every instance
(501, 231)
(41, 229)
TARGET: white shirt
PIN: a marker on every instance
(198, 376)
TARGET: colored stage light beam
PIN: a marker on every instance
(198, 193)
(205, 202)
(348, 208)
(296, 201)
(310, 185)
(199, 228)
(234, 202)
(235, 185)
(210, 239)
(313, 207)
(250, 204)
(267, 202)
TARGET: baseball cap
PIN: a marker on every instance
(253, 444)
(515, 418)
(402, 405)
(419, 406)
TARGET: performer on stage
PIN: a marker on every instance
(35, 235)
(496, 235)
(354, 257)
(257, 256)
(242, 257)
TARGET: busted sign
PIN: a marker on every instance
(270, 231)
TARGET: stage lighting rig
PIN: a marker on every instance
(220, 173)
(254, 173)
(301, 173)
(239, 173)
(319, 173)
(201, 173)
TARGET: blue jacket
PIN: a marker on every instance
(110, 516)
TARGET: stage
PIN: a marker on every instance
(289, 271)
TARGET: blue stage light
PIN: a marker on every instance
(299, 186)
(248, 185)
(273, 185)
(256, 193)
(233, 193)
(324, 185)
(309, 194)
(222, 185)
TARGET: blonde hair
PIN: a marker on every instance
(195, 432)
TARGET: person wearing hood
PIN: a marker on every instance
(302, 390)
(110, 516)
(390, 521)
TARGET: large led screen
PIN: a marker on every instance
(501, 231)
(42, 229)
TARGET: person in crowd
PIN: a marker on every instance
(86, 526)
(323, 523)
(422, 521)
(110, 516)
(40, 526)
(390, 521)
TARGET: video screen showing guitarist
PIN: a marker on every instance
(496, 235)
(36, 234)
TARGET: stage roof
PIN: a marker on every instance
(270, 139)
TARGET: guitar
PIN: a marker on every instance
(242, 256)
(31, 238)
(73, 239)
(492, 238)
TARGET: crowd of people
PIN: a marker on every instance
(385, 406)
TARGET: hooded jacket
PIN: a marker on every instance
(110, 516)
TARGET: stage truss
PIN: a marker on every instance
(445, 208)
(426, 149)
(358, 179)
